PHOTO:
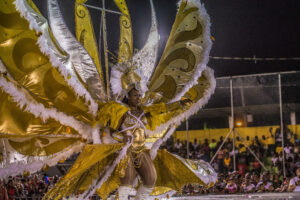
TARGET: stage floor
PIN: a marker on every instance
(276, 196)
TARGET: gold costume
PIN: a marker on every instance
(54, 100)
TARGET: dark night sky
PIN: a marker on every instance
(264, 28)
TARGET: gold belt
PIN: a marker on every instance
(135, 154)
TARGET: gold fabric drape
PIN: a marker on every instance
(15, 122)
(31, 68)
(172, 173)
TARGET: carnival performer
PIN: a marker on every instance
(133, 129)
(55, 101)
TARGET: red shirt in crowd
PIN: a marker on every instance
(3, 193)
(256, 164)
(242, 168)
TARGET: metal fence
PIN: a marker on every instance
(251, 101)
(257, 100)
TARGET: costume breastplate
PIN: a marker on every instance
(135, 126)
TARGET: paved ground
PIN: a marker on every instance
(275, 196)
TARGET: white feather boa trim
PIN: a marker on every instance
(2, 68)
(158, 143)
(38, 162)
(38, 110)
(45, 46)
(115, 82)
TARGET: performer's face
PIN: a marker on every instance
(134, 97)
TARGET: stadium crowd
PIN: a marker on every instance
(249, 176)
(31, 187)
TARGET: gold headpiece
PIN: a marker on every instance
(124, 77)
(130, 80)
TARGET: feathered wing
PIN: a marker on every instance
(86, 36)
(146, 57)
(182, 71)
(185, 55)
(125, 48)
(82, 63)
(199, 94)
(44, 105)
(48, 45)
(28, 140)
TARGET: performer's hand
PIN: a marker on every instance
(127, 138)
(186, 102)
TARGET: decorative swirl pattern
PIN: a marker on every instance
(182, 53)
(125, 22)
(80, 11)
(126, 43)
(167, 88)
(189, 35)
(27, 56)
(185, 55)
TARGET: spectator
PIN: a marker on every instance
(237, 141)
(220, 159)
(3, 191)
(288, 151)
(256, 166)
(242, 149)
(276, 182)
(297, 141)
(227, 162)
(248, 186)
(178, 145)
(220, 141)
(274, 158)
(231, 187)
(248, 141)
(264, 184)
(11, 190)
(264, 143)
(242, 166)
(213, 145)
(205, 148)
(278, 137)
(270, 141)
(294, 184)
(195, 145)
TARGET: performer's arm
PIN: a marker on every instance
(179, 105)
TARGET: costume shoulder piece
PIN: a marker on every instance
(111, 113)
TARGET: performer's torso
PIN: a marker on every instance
(136, 125)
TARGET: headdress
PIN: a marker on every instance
(126, 76)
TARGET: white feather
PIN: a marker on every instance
(146, 57)
(158, 143)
